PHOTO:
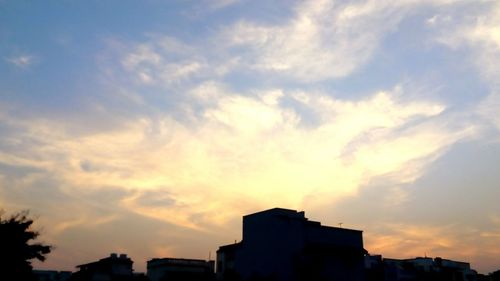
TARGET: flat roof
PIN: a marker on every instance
(277, 210)
(298, 214)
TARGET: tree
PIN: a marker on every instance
(16, 251)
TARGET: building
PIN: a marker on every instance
(174, 269)
(455, 270)
(417, 269)
(283, 245)
(112, 268)
(374, 268)
(492, 276)
(51, 275)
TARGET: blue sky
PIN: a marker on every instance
(151, 127)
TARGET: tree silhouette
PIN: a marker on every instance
(16, 251)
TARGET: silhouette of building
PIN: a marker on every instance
(51, 275)
(417, 269)
(374, 268)
(492, 276)
(112, 268)
(174, 269)
(283, 245)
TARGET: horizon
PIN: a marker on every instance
(212, 258)
(149, 128)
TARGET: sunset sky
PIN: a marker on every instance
(150, 127)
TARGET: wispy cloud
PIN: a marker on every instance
(249, 147)
(400, 240)
(220, 4)
(23, 61)
(166, 61)
(87, 222)
(480, 33)
(324, 39)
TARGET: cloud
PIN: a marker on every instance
(484, 36)
(85, 222)
(488, 109)
(164, 61)
(319, 43)
(220, 4)
(205, 8)
(242, 152)
(224, 152)
(22, 61)
(154, 198)
(479, 33)
(324, 40)
(403, 240)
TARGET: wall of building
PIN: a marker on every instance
(173, 269)
(281, 244)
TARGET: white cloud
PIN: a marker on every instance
(485, 36)
(313, 46)
(162, 61)
(220, 4)
(489, 108)
(324, 40)
(244, 146)
(480, 34)
(438, 19)
(22, 60)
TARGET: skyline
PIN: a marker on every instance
(141, 127)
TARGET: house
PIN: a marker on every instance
(112, 268)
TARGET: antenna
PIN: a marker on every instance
(209, 255)
(340, 224)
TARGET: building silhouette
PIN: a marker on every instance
(492, 276)
(279, 245)
(176, 269)
(51, 275)
(112, 268)
(417, 269)
(283, 245)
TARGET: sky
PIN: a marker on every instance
(151, 127)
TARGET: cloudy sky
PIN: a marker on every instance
(150, 127)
